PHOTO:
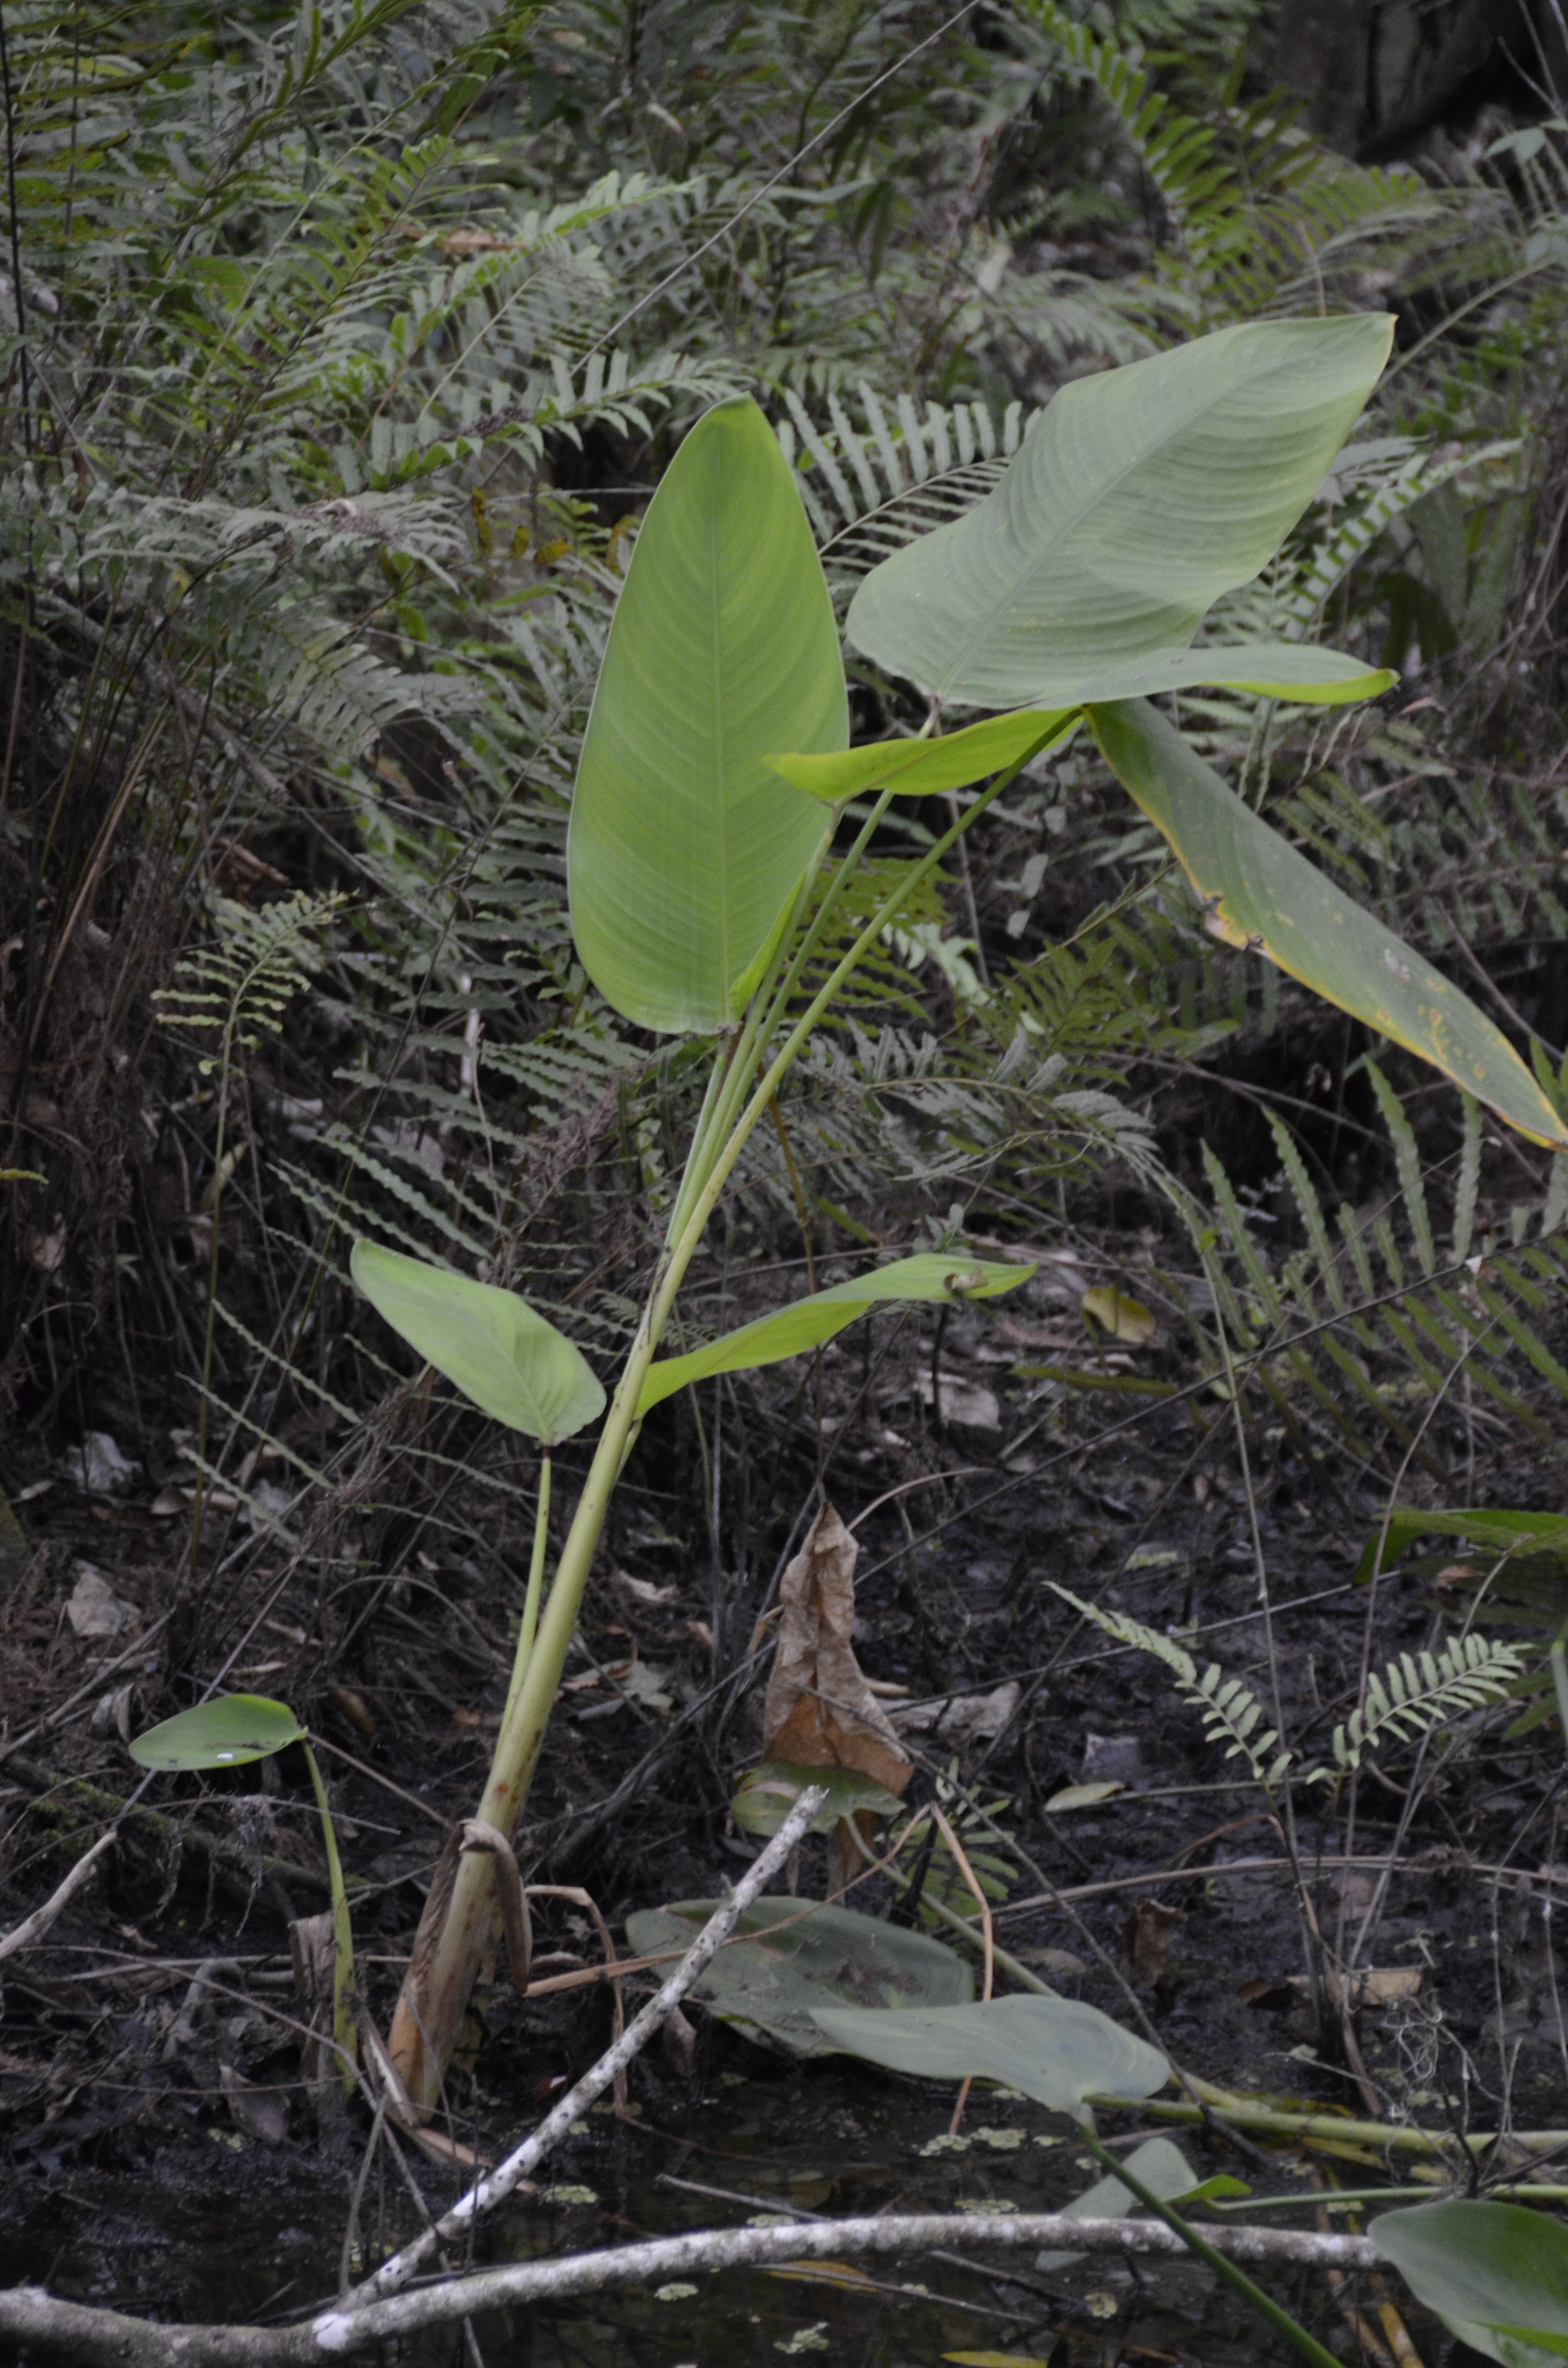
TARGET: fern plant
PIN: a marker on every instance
(1413, 1698)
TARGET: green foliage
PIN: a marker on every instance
(226, 1732)
(1497, 2274)
(931, 1276)
(248, 979)
(500, 1351)
(1231, 1714)
(1419, 1692)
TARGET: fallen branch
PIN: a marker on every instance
(104, 2338)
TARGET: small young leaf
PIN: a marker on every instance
(919, 768)
(225, 1733)
(942, 1276)
(500, 1353)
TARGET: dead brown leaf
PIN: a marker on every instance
(1146, 1942)
(820, 1712)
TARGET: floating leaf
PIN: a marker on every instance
(683, 849)
(1139, 496)
(1123, 1318)
(1497, 2274)
(1262, 894)
(941, 1277)
(498, 1350)
(1056, 2050)
(796, 1956)
(765, 1796)
(920, 768)
(220, 1734)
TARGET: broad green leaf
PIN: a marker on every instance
(1056, 2050)
(502, 1354)
(1497, 2274)
(796, 1956)
(919, 768)
(683, 848)
(1496, 1531)
(766, 1796)
(941, 1275)
(221, 1734)
(1163, 2168)
(1260, 893)
(1139, 496)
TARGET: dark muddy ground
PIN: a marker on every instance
(161, 2149)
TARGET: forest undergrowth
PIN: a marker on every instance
(343, 349)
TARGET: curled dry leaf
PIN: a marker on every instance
(820, 1712)
(1123, 1318)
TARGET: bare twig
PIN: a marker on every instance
(32, 1928)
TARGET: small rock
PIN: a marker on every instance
(98, 1468)
(93, 1608)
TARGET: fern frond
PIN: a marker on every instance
(1419, 1692)
(1231, 1713)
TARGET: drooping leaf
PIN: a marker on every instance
(819, 1711)
(1057, 2050)
(224, 1732)
(796, 1956)
(941, 1276)
(920, 768)
(1139, 496)
(684, 848)
(1497, 2274)
(1261, 894)
(1497, 1531)
(498, 1350)
(1162, 2168)
(766, 1796)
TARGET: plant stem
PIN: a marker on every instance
(529, 1621)
(345, 2021)
(1237, 2279)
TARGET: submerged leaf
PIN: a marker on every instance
(1159, 2165)
(794, 1956)
(1058, 2051)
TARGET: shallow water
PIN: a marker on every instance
(218, 2230)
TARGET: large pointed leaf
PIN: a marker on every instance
(1057, 2050)
(221, 1734)
(683, 848)
(1261, 894)
(945, 1275)
(795, 1957)
(498, 1350)
(1497, 2274)
(1139, 496)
